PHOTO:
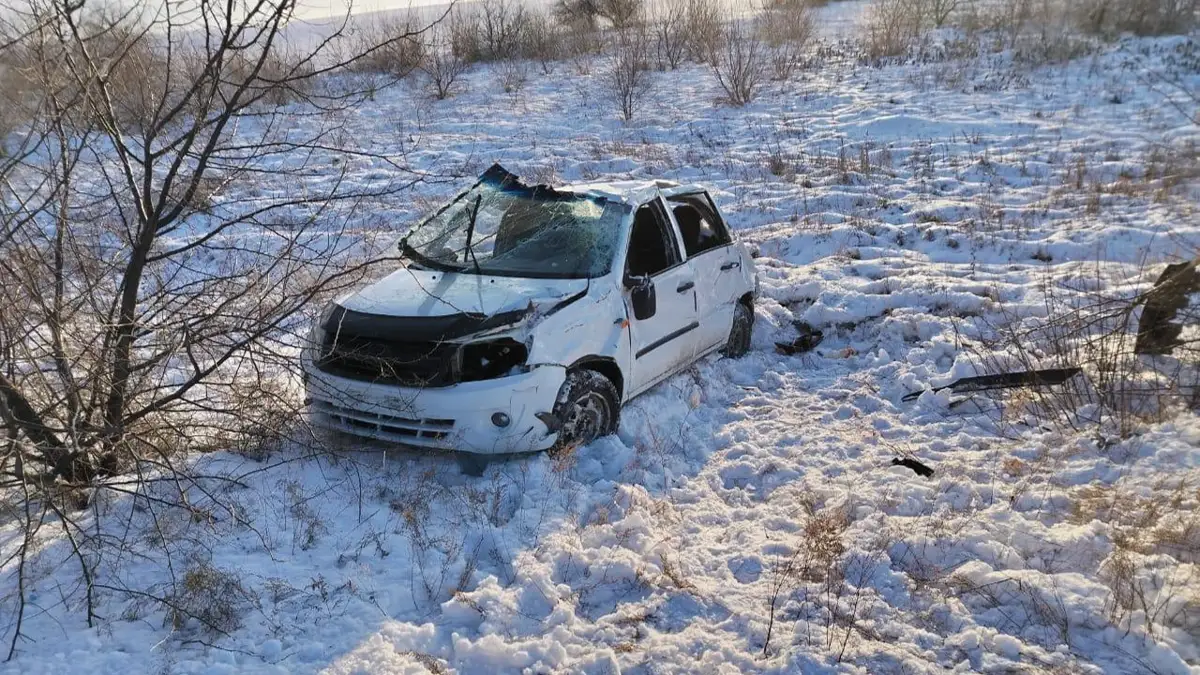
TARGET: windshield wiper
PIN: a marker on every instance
(471, 232)
(411, 253)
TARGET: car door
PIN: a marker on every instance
(713, 260)
(666, 341)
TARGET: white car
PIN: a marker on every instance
(525, 316)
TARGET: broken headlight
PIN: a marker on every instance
(491, 359)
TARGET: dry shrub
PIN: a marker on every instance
(1051, 31)
(892, 27)
(937, 12)
(1140, 17)
(444, 64)
(1160, 596)
(739, 62)
(503, 26)
(543, 41)
(819, 559)
(399, 47)
(213, 597)
(619, 14)
(276, 80)
(491, 30)
(787, 29)
(671, 33)
(704, 28)
(629, 78)
(1120, 391)
(513, 74)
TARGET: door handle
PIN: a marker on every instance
(685, 287)
(730, 265)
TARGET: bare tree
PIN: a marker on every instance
(403, 49)
(543, 41)
(787, 29)
(939, 11)
(172, 207)
(629, 77)
(444, 63)
(619, 13)
(704, 27)
(892, 26)
(503, 25)
(739, 63)
(670, 33)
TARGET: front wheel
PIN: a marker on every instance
(587, 408)
(741, 331)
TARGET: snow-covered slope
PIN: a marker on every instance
(899, 208)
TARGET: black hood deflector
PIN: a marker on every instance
(417, 328)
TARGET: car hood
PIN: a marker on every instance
(429, 305)
(426, 293)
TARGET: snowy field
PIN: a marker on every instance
(746, 517)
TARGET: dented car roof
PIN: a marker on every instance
(630, 191)
(626, 191)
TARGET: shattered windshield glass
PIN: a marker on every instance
(503, 227)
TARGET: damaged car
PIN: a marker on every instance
(523, 316)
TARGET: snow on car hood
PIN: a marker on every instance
(412, 292)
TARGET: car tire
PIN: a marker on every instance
(741, 331)
(588, 407)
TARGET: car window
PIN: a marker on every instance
(651, 245)
(699, 224)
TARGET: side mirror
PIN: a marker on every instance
(642, 297)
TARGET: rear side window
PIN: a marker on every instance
(699, 224)
(651, 245)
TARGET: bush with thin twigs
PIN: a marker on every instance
(491, 30)
(465, 36)
(500, 29)
(212, 597)
(937, 12)
(1053, 31)
(619, 14)
(1140, 17)
(543, 41)
(402, 50)
(513, 74)
(582, 44)
(629, 79)
(1120, 390)
(739, 63)
(787, 29)
(891, 28)
(704, 26)
(444, 64)
(670, 33)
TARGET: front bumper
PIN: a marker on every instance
(458, 417)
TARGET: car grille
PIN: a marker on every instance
(420, 431)
(410, 364)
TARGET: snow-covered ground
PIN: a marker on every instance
(901, 209)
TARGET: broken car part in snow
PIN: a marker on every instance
(808, 340)
(510, 293)
(1157, 332)
(917, 467)
(1028, 378)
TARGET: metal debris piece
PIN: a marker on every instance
(807, 341)
(1028, 378)
(917, 467)
(1156, 332)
